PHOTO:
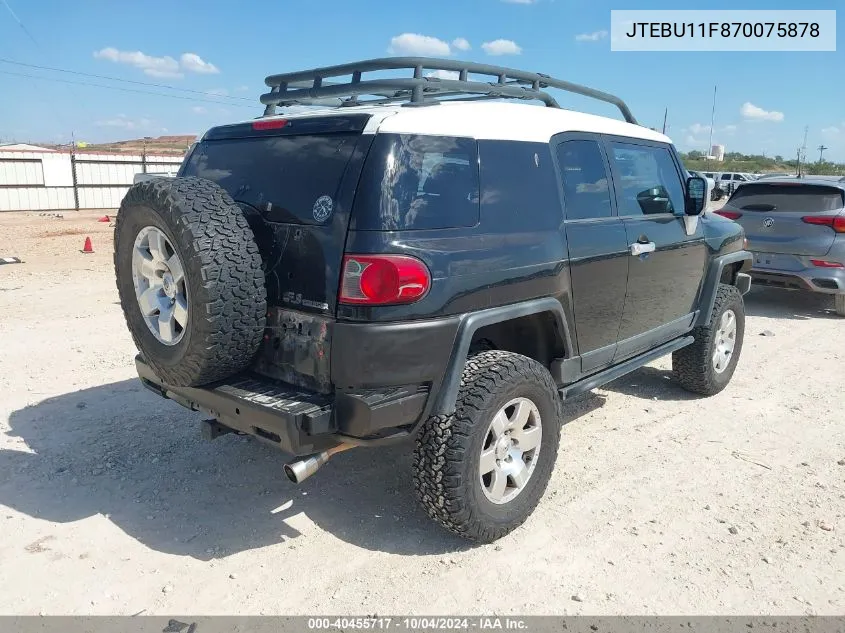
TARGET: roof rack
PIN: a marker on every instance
(308, 87)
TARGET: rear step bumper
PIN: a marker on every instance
(297, 421)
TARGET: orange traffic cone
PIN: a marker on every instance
(87, 247)
(105, 218)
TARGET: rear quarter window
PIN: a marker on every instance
(519, 187)
(414, 182)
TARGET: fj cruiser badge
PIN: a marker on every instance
(323, 208)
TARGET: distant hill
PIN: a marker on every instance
(757, 164)
(172, 144)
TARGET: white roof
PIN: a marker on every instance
(498, 120)
(26, 147)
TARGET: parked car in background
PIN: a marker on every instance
(796, 231)
(776, 175)
(729, 181)
(142, 176)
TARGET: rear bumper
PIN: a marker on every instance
(385, 378)
(816, 279)
(799, 272)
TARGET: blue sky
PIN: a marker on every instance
(225, 49)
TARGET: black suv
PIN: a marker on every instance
(420, 257)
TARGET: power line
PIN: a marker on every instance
(145, 92)
(128, 81)
(21, 24)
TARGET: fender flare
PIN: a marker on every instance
(712, 279)
(447, 394)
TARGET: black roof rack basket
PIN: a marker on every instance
(425, 86)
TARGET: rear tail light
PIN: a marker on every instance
(383, 280)
(821, 263)
(730, 215)
(836, 222)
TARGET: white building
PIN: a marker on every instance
(717, 152)
(35, 178)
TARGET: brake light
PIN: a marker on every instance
(269, 124)
(730, 215)
(383, 279)
(837, 222)
(821, 263)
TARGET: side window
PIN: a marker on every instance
(519, 191)
(414, 182)
(725, 177)
(739, 177)
(647, 180)
(586, 191)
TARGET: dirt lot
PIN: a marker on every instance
(660, 503)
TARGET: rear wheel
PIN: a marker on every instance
(706, 366)
(839, 304)
(481, 471)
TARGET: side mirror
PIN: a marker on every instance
(696, 199)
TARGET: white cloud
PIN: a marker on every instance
(152, 66)
(199, 110)
(831, 131)
(124, 122)
(444, 74)
(691, 141)
(158, 66)
(416, 44)
(242, 89)
(595, 36)
(217, 92)
(698, 128)
(193, 63)
(751, 111)
(461, 44)
(501, 47)
(729, 129)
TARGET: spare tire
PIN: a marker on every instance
(190, 279)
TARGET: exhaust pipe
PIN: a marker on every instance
(302, 469)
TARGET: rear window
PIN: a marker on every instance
(292, 179)
(418, 182)
(789, 198)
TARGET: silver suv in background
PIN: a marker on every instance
(796, 231)
(729, 181)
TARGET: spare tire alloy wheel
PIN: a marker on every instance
(190, 278)
(160, 285)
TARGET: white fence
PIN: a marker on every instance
(52, 180)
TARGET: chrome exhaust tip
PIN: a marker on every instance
(302, 469)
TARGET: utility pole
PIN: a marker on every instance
(712, 121)
(821, 149)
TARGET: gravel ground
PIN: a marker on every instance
(661, 503)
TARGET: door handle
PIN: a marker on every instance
(638, 248)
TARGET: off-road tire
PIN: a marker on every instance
(223, 276)
(839, 304)
(692, 366)
(448, 447)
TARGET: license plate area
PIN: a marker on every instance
(776, 261)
